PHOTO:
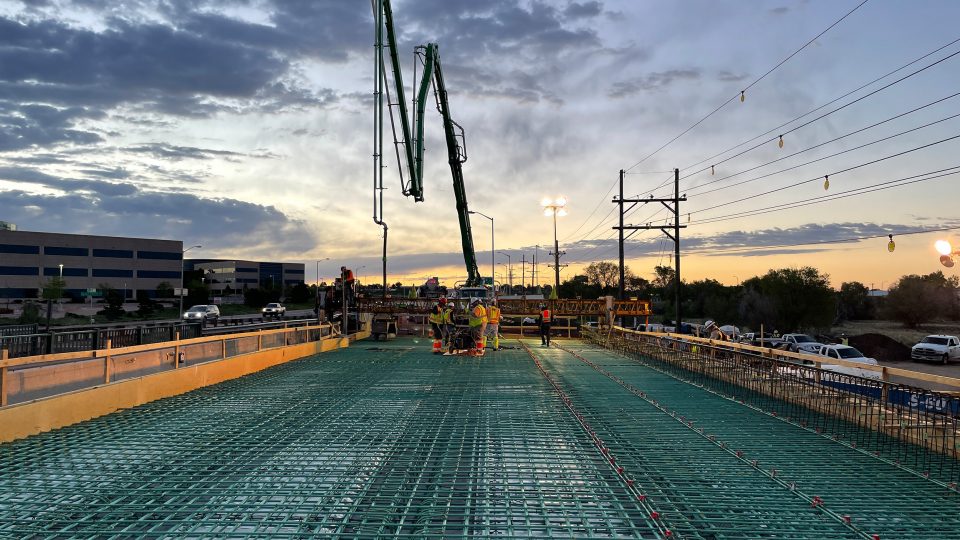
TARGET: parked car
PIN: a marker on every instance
(849, 354)
(202, 313)
(936, 348)
(273, 309)
(801, 343)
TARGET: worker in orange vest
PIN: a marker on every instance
(493, 323)
(545, 318)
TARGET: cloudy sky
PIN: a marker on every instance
(246, 126)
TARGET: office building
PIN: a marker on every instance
(28, 260)
(233, 276)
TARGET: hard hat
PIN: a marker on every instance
(708, 324)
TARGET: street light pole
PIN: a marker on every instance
(60, 289)
(493, 247)
(181, 278)
(509, 268)
(555, 208)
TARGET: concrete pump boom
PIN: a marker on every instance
(413, 134)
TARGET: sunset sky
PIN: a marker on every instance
(246, 126)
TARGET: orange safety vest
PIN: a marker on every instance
(546, 315)
(493, 315)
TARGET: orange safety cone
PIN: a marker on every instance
(436, 347)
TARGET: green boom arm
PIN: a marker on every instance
(413, 149)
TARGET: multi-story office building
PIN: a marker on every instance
(28, 260)
(233, 275)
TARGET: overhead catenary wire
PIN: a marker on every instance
(841, 171)
(899, 182)
(855, 90)
(804, 164)
(741, 93)
(821, 242)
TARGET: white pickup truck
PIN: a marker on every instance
(848, 354)
(937, 348)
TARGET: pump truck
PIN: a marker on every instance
(411, 132)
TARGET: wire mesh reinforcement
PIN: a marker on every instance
(389, 441)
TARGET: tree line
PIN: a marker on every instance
(786, 299)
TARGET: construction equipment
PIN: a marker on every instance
(412, 131)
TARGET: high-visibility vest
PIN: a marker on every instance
(546, 315)
(436, 315)
(478, 316)
(447, 315)
(493, 315)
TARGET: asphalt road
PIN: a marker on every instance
(949, 370)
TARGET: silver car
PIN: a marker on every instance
(202, 313)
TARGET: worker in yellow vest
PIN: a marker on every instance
(545, 318)
(447, 325)
(436, 322)
(493, 323)
(477, 320)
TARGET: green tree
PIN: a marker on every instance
(801, 298)
(53, 289)
(145, 305)
(114, 300)
(663, 277)
(603, 274)
(916, 299)
(853, 302)
(164, 290)
(299, 294)
(578, 287)
(30, 314)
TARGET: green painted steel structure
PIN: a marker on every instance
(389, 441)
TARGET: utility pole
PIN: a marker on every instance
(673, 205)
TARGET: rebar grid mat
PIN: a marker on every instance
(368, 442)
(389, 441)
(876, 495)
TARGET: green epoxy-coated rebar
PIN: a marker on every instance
(389, 441)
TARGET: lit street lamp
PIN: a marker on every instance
(181, 278)
(492, 247)
(555, 208)
(947, 253)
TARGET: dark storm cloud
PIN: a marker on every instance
(31, 176)
(578, 10)
(177, 153)
(221, 223)
(652, 82)
(32, 125)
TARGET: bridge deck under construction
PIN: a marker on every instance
(387, 440)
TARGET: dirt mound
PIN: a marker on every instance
(881, 347)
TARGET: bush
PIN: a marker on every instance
(30, 313)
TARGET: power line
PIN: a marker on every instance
(841, 195)
(841, 171)
(820, 107)
(855, 148)
(742, 92)
(820, 242)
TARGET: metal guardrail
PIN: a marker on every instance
(18, 346)
(27, 379)
(19, 329)
(513, 306)
(911, 426)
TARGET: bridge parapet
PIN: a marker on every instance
(514, 306)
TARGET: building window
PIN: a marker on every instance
(163, 255)
(114, 253)
(15, 248)
(19, 271)
(293, 271)
(248, 270)
(109, 272)
(67, 251)
(54, 271)
(158, 274)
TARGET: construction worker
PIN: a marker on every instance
(436, 323)
(477, 320)
(844, 340)
(447, 325)
(545, 318)
(493, 323)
